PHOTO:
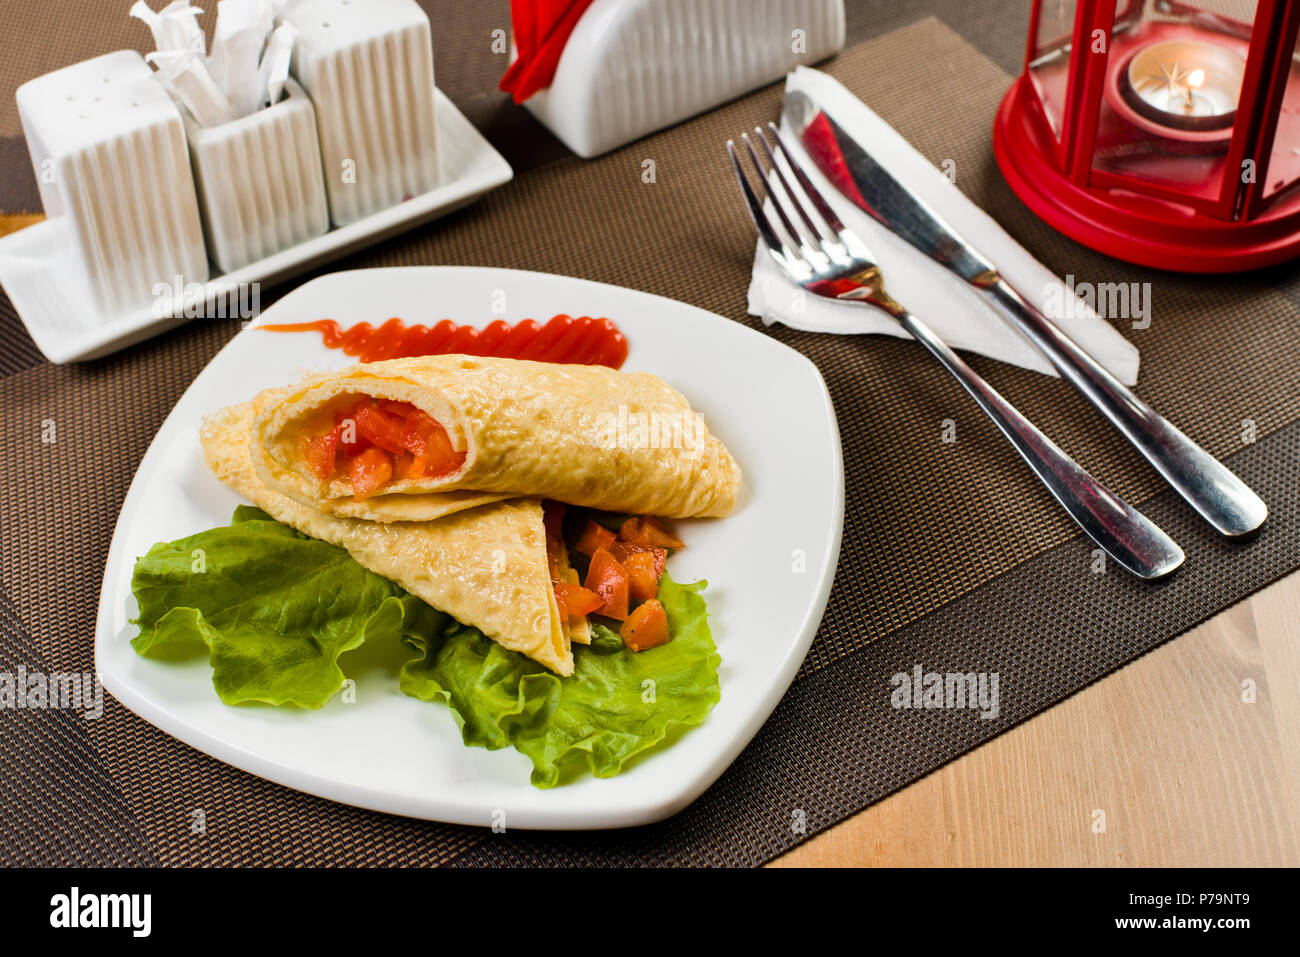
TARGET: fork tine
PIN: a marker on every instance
(755, 208)
(812, 192)
(796, 238)
(815, 231)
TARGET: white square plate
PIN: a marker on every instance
(769, 565)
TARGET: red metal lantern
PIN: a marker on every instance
(1158, 132)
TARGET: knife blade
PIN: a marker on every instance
(1206, 484)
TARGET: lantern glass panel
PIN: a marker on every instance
(1173, 76)
(1284, 160)
(1049, 64)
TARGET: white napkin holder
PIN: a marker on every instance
(108, 147)
(368, 67)
(259, 180)
(631, 67)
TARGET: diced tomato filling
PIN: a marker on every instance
(402, 462)
(369, 470)
(646, 627)
(623, 551)
(574, 601)
(594, 536)
(429, 443)
(351, 442)
(578, 600)
(642, 579)
(622, 578)
(320, 453)
(380, 428)
(412, 443)
(648, 530)
(399, 409)
(608, 579)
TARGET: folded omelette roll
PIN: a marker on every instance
(585, 435)
(484, 566)
(379, 508)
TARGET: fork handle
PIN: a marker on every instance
(1126, 534)
(1222, 499)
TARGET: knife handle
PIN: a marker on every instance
(1222, 499)
(1126, 534)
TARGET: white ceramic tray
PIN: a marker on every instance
(769, 564)
(66, 323)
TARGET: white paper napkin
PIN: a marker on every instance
(246, 69)
(940, 299)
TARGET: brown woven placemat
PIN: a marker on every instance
(953, 557)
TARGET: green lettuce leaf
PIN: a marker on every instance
(616, 704)
(275, 610)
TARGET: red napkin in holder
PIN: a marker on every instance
(541, 28)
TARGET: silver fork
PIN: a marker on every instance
(830, 260)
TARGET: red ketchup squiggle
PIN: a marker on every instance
(579, 341)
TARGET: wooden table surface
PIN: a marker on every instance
(1188, 756)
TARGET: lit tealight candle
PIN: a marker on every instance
(1186, 84)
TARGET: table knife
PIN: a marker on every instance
(1216, 493)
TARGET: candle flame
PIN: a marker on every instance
(1195, 78)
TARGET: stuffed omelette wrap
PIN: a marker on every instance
(441, 434)
(486, 566)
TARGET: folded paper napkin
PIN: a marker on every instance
(246, 70)
(541, 29)
(937, 297)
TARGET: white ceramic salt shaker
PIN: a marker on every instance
(368, 67)
(108, 147)
(631, 67)
(260, 181)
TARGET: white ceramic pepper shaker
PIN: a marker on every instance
(368, 67)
